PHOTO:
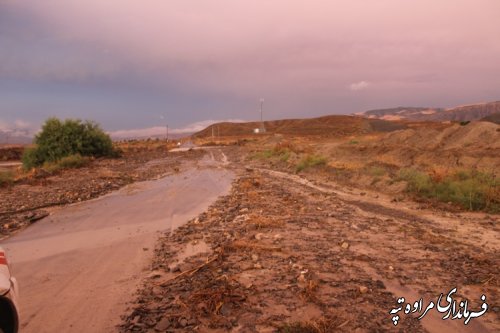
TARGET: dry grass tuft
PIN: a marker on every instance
(245, 245)
(263, 222)
(321, 325)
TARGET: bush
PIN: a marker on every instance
(310, 161)
(31, 158)
(72, 137)
(279, 152)
(473, 190)
(68, 162)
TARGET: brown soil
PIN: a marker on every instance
(283, 254)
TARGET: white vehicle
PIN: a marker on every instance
(9, 320)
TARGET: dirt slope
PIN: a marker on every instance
(459, 113)
(328, 126)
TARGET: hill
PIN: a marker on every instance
(474, 146)
(459, 113)
(493, 118)
(322, 126)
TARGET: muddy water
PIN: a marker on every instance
(77, 267)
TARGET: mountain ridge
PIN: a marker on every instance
(460, 113)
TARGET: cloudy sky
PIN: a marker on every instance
(135, 64)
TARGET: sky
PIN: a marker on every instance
(138, 65)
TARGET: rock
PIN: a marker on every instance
(277, 237)
(225, 310)
(155, 274)
(391, 268)
(136, 320)
(243, 210)
(259, 236)
(255, 257)
(162, 325)
(363, 289)
(345, 245)
(246, 266)
(257, 266)
(183, 322)
(301, 278)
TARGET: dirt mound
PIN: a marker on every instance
(476, 145)
(477, 135)
(474, 135)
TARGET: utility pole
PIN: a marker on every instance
(167, 132)
(262, 128)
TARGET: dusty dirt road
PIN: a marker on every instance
(78, 267)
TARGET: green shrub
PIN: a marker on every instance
(281, 153)
(60, 139)
(472, 190)
(418, 182)
(31, 158)
(285, 156)
(310, 161)
(264, 154)
(68, 162)
(73, 161)
(6, 178)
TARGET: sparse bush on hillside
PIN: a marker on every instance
(280, 152)
(59, 139)
(473, 190)
(310, 161)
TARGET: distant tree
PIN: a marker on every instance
(59, 139)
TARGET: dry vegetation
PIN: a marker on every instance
(453, 164)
